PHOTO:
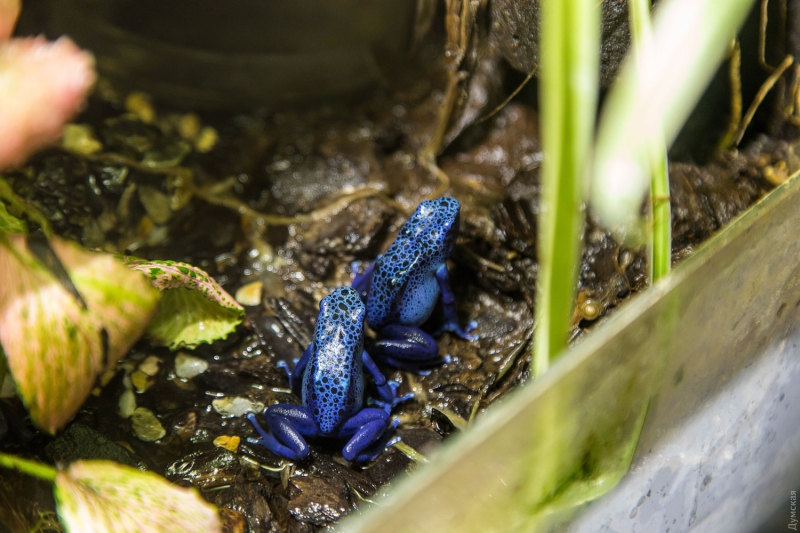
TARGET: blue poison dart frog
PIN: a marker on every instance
(402, 286)
(329, 379)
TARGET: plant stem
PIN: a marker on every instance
(660, 250)
(651, 100)
(660, 237)
(32, 468)
(570, 37)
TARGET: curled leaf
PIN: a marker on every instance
(57, 344)
(106, 497)
(194, 308)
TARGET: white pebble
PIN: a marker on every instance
(236, 406)
(127, 404)
(187, 366)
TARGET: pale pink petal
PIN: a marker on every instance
(42, 85)
(9, 11)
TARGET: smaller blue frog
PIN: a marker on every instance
(402, 286)
(329, 379)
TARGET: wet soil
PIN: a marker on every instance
(292, 199)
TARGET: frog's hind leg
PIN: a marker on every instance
(287, 425)
(406, 348)
(371, 433)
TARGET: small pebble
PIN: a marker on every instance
(146, 426)
(139, 104)
(80, 139)
(150, 365)
(156, 203)
(206, 140)
(107, 376)
(127, 404)
(188, 366)
(230, 443)
(250, 294)
(236, 406)
(189, 126)
(141, 381)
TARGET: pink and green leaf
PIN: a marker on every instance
(106, 497)
(42, 85)
(194, 308)
(54, 345)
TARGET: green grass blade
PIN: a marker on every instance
(570, 42)
(660, 237)
(648, 105)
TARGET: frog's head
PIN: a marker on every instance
(343, 306)
(436, 221)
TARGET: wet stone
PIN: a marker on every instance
(319, 501)
(146, 425)
(299, 186)
(516, 29)
(251, 501)
(82, 442)
(210, 468)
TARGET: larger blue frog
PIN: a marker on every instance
(401, 288)
(329, 378)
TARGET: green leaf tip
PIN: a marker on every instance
(194, 308)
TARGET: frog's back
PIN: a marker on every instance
(333, 384)
(404, 289)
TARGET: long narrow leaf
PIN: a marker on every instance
(569, 80)
(649, 104)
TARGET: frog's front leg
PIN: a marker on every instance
(406, 348)
(361, 282)
(387, 389)
(449, 307)
(287, 424)
(370, 433)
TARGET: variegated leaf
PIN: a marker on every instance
(55, 345)
(194, 308)
(106, 497)
(173, 274)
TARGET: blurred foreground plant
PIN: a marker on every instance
(659, 85)
(67, 314)
(42, 85)
(106, 497)
(651, 100)
(569, 87)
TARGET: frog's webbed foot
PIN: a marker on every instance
(387, 389)
(371, 433)
(287, 426)
(455, 329)
(389, 405)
